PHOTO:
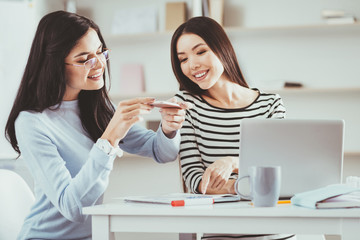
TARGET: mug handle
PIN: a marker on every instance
(248, 197)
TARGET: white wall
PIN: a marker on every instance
(18, 22)
(14, 46)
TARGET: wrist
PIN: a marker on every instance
(235, 164)
(199, 190)
(168, 133)
(112, 140)
(230, 186)
(105, 146)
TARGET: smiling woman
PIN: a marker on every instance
(67, 130)
(205, 65)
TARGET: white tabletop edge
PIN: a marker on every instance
(238, 209)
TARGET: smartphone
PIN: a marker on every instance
(165, 104)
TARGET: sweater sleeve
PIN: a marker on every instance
(277, 109)
(192, 166)
(68, 194)
(148, 143)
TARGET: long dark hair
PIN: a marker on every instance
(217, 40)
(43, 83)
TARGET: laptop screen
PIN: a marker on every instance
(310, 152)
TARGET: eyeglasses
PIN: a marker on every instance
(92, 62)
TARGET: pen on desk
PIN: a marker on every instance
(280, 202)
(192, 202)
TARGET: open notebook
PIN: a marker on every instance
(180, 199)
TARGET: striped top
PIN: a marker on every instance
(210, 132)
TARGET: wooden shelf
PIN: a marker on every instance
(352, 154)
(234, 31)
(8, 156)
(314, 90)
(316, 28)
(164, 95)
(346, 154)
(159, 96)
(128, 155)
(133, 38)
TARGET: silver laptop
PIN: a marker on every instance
(310, 152)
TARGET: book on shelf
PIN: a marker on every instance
(341, 20)
(337, 17)
(175, 15)
(197, 9)
(332, 13)
(183, 199)
(153, 125)
(353, 181)
(293, 85)
(332, 196)
(216, 10)
(205, 8)
(132, 79)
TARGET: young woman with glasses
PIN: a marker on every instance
(69, 133)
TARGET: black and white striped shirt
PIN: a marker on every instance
(210, 132)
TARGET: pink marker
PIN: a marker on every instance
(192, 202)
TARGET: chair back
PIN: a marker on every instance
(15, 201)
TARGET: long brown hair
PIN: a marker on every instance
(217, 40)
(43, 83)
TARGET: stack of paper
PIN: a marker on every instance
(348, 200)
(134, 20)
(332, 196)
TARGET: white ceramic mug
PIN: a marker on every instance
(265, 183)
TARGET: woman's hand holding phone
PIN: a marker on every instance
(165, 104)
(128, 113)
(172, 115)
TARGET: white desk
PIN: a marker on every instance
(240, 217)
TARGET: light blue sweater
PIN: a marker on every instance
(70, 172)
